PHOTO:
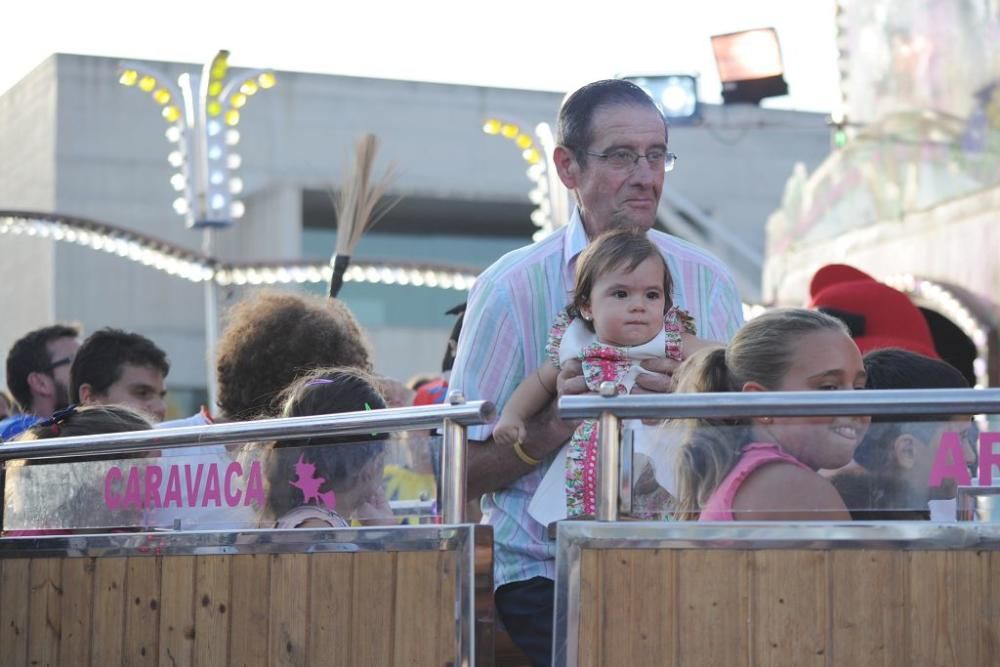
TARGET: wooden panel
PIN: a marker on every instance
(713, 605)
(142, 611)
(45, 615)
(15, 582)
(946, 589)
(445, 616)
(251, 599)
(109, 611)
(419, 602)
(589, 630)
(211, 611)
(289, 602)
(870, 594)
(176, 610)
(331, 579)
(77, 601)
(371, 604)
(789, 603)
(637, 602)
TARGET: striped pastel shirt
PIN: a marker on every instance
(510, 311)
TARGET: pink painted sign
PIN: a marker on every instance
(150, 486)
(949, 461)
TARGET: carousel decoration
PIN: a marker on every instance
(549, 195)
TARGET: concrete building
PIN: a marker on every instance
(75, 142)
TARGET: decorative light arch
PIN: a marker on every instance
(198, 267)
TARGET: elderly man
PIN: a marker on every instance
(612, 154)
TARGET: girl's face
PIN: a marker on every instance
(626, 307)
(827, 361)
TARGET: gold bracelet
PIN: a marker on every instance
(523, 455)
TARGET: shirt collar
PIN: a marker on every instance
(574, 242)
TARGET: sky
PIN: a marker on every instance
(553, 45)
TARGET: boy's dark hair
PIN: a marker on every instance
(100, 359)
(272, 339)
(620, 248)
(896, 368)
(30, 354)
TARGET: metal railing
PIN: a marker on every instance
(452, 418)
(610, 410)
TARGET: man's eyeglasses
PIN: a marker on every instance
(57, 363)
(623, 159)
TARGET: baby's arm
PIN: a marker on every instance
(530, 397)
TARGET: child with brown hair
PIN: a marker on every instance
(621, 314)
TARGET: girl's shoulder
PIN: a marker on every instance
(557, 332)
(781, 488)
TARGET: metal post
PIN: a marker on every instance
(211, 326)
(608, 459)
(453, 466)
(608, 462)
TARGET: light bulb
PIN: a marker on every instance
(237, 209)
(233, 161)
(232, 137)
(235, 185)
(266, 80)
(178, 181)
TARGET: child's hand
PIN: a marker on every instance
(375, 511)
(509, 430)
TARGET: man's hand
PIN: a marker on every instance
(570, 380)
(660, 379)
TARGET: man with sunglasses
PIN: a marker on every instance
(38, 375)
(612, 154)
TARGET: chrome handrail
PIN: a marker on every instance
(455, 417)
(894, 402)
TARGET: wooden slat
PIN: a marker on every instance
(637, 607)
(417, 609)
(870, 593)
(789, 604)
(251, 599)
(290, 588)
(946, 589)
(372, 606)
(589, 629)
(713, 605)
(211, 611)
(177, 610)
(15, 582)
(446, 639)
(331, 579)
(77, 601)
(45, 614)
(142, 611)
(109, 611)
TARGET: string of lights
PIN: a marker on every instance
(197, 267)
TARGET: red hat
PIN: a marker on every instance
(877, 315)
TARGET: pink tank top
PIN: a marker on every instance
(720, 505)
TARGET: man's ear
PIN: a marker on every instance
(40, 384)
(87, 394)
(566, 166)
(904, 448)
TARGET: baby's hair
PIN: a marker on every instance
(762, 351)
(321, 392)
(613, 250)
(895, 368)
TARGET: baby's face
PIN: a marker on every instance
(627, 307)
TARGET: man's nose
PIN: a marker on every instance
(644, 173)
